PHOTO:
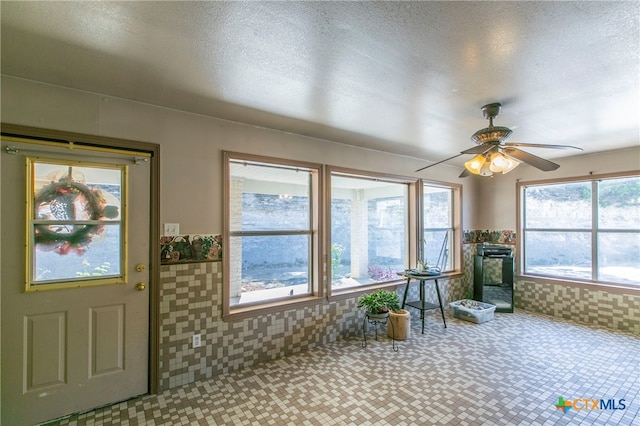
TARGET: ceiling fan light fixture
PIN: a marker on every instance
(485, 170)
(475, 164)
(513, 163)
(498, 162)
(501, 163)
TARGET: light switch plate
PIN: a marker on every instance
(171, 229)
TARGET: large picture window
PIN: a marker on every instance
(587, 229)
(369, 229)
(272, 222)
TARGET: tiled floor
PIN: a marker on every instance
(506, 372)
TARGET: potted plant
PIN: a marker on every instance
(383, 303)
(379, 303)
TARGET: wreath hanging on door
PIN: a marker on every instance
(67, 200)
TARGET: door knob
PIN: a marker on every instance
(141, 286)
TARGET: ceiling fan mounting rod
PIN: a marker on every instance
(491, 111)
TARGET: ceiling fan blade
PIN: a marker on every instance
(478, 149)
(537, 145)
(532, 160)
(464, 173)
(441, 161)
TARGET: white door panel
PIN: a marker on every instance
(66, 350)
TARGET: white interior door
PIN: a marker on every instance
(75, 264)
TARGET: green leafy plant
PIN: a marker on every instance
(380, 301)
(336, 258)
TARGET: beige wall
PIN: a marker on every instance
(191, 146)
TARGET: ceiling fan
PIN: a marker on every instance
(494, 155)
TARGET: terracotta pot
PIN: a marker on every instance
(401, 328)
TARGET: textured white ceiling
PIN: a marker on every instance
(403, 77)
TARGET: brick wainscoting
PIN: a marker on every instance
(585, 305)
(191, 303)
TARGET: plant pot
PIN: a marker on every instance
(378, 316)
(400, 324)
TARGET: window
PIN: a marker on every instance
(76, 224)
(278, 255)
(272, 230)
(585, 229)
(369, 241)
(440, 226)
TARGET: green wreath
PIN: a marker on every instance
(81, 235)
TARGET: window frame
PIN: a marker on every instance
(412, 212)
(31, 284)
(456, 222)
(594, 232)
(320, 255)
(315, 265)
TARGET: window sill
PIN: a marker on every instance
(613, 288)
(352, 292)
(237, 313)
(395, 284)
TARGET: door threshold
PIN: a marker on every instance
(79, 413)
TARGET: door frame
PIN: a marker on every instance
(78, 140)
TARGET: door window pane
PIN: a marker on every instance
(99, 258)
(76, 222)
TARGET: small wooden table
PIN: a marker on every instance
(421, 304)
